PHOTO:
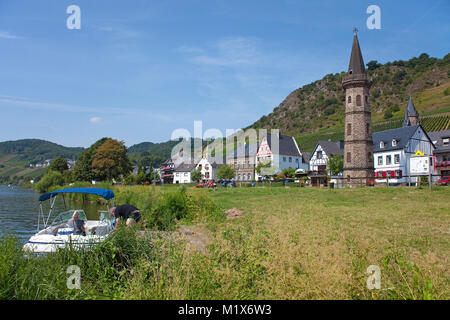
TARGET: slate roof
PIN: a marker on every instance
(286, 145)
(438, 136)
(410, 111)
(356, 65)
(331, 147)
(185, 167)
(306, 156)
(402, 135)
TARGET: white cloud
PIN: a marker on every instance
(227, 52)
(95, 119)
(7, 35)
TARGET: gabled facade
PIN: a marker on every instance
(320, 156)
(393, 150)
(208, 166)
(281, 151)
(166, 171)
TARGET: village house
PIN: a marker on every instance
(441, 140)
(318, 162)
(393, 149)
(182, 173)
(166, 171)
(282, 152)
(208, 166)
(242, 160)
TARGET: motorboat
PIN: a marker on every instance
(54, 231)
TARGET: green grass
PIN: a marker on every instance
(290, 243)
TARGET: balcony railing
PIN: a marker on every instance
(441, 164)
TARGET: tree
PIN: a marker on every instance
(50, 179)
(288, 172)
(336, 164)
(111, 161)
(225, 172)
(261, 168)
(58, 164)
(372, 65)
(83, 170)
(196, 175)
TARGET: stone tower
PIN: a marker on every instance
(358, 148)
(411, 114)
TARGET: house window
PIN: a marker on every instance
(249, 176)
(349, 129)
(349, 99)
(284, 159)
(445, 141)
(388, 160)
(349, 157)
(381, 144)
(319, 155)
(394, 142)
(396, 158)
(248, 164)
(358, 100)
(185, 174)
(290, 159)
(380, 160)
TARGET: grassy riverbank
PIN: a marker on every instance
(290, 243)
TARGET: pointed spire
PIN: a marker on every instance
(356, 65)
(410, 112)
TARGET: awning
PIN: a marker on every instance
(105, 193)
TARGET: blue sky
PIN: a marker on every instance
(137, 70)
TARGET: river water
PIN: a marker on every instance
(19, 208)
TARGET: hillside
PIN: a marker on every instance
(319, 106)
(16, 157)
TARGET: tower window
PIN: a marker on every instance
(349, 99)
(367, 99)
(369, 156)
(367, 128)
(349, 129)
(358, 100)
(349, 157)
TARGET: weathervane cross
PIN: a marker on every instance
(355, 30)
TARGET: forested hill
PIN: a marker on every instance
(35, 150)
(320, 105)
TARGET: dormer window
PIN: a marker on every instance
(394, 142)
(381, 144)
(446, 141)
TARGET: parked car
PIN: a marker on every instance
(444, 181)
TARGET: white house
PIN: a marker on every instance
(208, 166)
(319, 158)
(182, 173)
(393, 149)
(282, 152)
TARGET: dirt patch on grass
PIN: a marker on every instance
(232, 213)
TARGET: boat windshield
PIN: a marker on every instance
(65, 216)
(104, 216)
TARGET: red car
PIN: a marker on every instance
(445, 181)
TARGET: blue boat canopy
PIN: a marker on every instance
(105, 193)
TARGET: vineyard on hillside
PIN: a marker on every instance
(430, 124)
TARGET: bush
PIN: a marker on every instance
(50, 179)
